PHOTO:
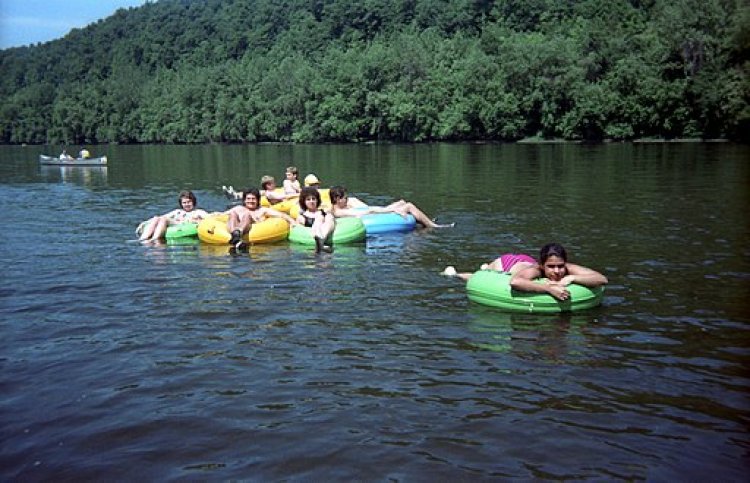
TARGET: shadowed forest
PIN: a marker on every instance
(180, 71)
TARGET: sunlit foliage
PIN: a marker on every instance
(181, 71)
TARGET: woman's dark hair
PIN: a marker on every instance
(250, 191)
(187, 194)
(308, 191)
(550, 250)
(336, 193)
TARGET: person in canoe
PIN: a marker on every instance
(242, 217)
(311, 215)
(64, 156)
(343, 206)
(155, 228)
(552, 264)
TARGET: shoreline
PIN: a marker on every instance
(476, 141)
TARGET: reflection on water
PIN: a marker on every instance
(554, 338)
(81, 175)
(185, 361)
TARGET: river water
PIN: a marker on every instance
(123, 362)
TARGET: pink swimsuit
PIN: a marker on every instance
(507, 260)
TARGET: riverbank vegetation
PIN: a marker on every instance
(180, 71)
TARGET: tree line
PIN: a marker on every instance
(181, 71)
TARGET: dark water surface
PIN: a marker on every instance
(124, 362)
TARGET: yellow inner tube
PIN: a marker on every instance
(213, 230)
(287, 206)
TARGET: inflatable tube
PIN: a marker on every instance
(348, 230)
(388, 223)
(183, 230)
(377, 223)
(282, 206)
(294, 212)
(184, 242)
(214, 230)
(287, 205)
(492, 288)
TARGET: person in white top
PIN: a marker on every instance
(155, 228)
(291, 183)
(321, 224)
(268, 189)
(343, 205)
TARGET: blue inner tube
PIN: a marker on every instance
(387, 223)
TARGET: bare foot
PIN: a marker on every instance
(450, 271)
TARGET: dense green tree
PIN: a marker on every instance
(180, 71)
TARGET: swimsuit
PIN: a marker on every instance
(310, 220)
(507, 260)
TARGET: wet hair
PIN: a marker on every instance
(552, 250)
(187, 194)
(294, 170)
(250, 191)
(308, 191)
(336, 193)
(265, 180)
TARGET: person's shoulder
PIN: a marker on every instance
(575, 268)
(531, 272)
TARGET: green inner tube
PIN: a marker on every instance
(492, 288)
(183, 230)
(348, 230)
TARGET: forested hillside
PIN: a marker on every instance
(182, 71)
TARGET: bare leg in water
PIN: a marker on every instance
(322, 231)
(237, 226)
(154, 229)
(450, 271)
(404, 208)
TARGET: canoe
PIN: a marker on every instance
(348, 230)
(213, 229)
(56, 161)
(489, 287)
